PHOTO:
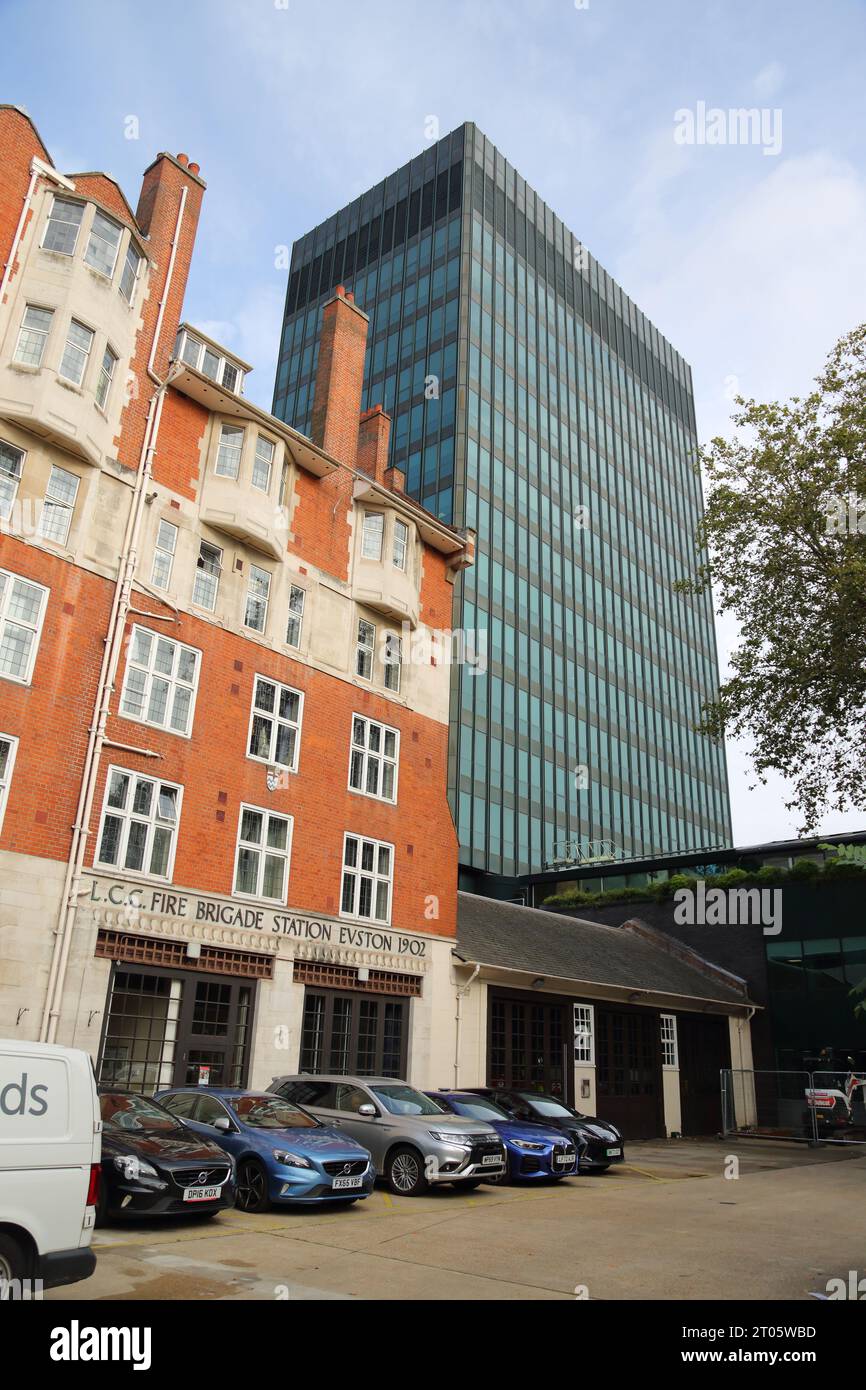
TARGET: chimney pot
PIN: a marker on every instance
(183, 159)
(194, 168)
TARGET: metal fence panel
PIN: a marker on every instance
(813, 1107)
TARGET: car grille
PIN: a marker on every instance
(344, 1169)
(201, 1177)
(486, 1146)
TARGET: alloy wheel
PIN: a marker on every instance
(252, 1187)
(405, 1172)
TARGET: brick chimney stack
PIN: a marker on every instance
(339, 378)
(374, 434)
(157, 214)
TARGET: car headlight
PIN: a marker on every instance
(134, 1168)
(525, 1144)
(290, 1160)
(461, 1140)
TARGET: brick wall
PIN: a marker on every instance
(18, 144)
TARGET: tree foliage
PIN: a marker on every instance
(783, 541)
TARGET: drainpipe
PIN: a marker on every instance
(38, 169)
(461, 990)
(128, 560)
(72, 886)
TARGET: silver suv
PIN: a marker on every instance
(413, 1141)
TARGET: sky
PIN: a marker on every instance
(750, 256)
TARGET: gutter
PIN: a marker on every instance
(584, 986)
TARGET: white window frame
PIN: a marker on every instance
(365, 754)
(161, 550)
(66, 202)
(6, 777)
(9, 481)
(584, 1034)
(209, 574)
(259, 462)
(262, 849)
(53, 506)
(152, 820)
(251, 597)
(400, 548)
(135, 266)
(359, 874)
(669, 1042)
(275, 719)
(296, 615)
(95, 236)
(392, 643)
(106, 375)
(36, 628)
(42, 333)
(190, 350)
(151, 675)
(363, 647)
(232, 455)
(70, 346)
(372, 535)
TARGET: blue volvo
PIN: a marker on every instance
(282, 1154)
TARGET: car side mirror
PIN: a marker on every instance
(367, 1109)
(223, 1124)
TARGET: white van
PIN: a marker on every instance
(50, 1142)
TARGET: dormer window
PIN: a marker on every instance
(64, 224)
(131, 272)
(229, 455)
(103, 245)
(371, 541)
(262, 463)
(207, 359)
(401, 544)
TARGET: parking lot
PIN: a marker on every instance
(668, 1224)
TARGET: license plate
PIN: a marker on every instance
(490, 1159)
(339, 1184)
(202, 1194)
(614, 1153)
(565, 1159)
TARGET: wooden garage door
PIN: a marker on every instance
(704, 1049)
(629, 1077)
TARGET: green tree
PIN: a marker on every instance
(783, 541)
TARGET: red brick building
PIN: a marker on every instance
(225, 844)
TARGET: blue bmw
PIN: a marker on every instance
(532, 1151)
(282, 1153)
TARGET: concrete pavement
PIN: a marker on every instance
(669, 1224)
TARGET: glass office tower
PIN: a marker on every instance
(533, 401)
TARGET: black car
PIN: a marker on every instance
(152, 1165)
(599, 1143)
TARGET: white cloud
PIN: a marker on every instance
(768, 81)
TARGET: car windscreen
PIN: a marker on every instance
(477, 1109)
(405, 1100)
(545, 1106)
(130, 1112)
(271, 1112)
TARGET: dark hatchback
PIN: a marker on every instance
(598, 1141)
(152, 1165)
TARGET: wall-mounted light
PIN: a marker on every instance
(538, 982)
